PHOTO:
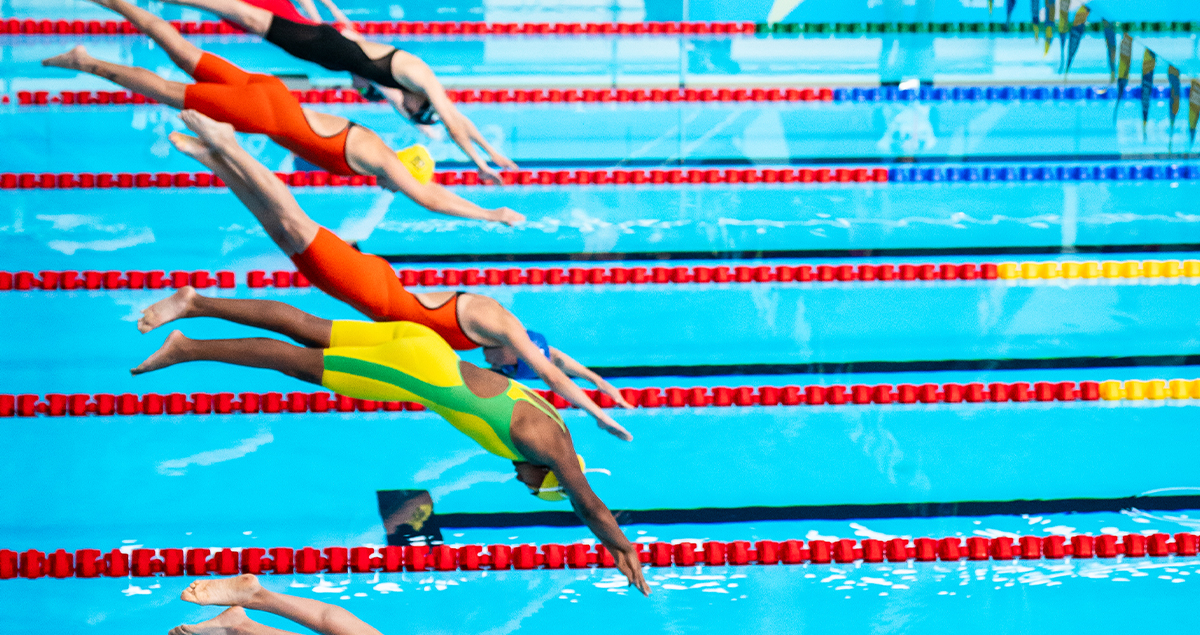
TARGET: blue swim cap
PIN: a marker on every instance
(521, 370)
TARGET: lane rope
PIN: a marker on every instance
(1038, 173)
(200, 403)
(1086, 271)
(210, 27)
(213, 27)
(91, 563)
(655, 95)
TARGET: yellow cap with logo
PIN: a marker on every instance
(418, 161)
(550, 489)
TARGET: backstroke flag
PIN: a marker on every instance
(1009, 6)
(1077, 28)
(1064, 11)
(1110, 41)
(1173, 80)
(1193, 111)
(1049, 25)
(1148, 60)
(1123, 70)
(1037, 19)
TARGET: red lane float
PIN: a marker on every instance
(177, 180)
(469, 96)
(114, 27)
(79, 405)
(113, 280)
(91, 563)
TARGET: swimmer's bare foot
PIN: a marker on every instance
(237, 591)
(75, 59)
(169, 354)
(219, 136)
(179, 305)
(194, 148)
(232, 620)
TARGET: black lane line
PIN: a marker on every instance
(617, 163)
(731, 255)
(826, 512)
(840, 368)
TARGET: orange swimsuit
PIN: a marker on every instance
(261, 104)
(369, 284)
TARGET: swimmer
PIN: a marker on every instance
(261, 104)
(380, 71)
(368, 283)
(245, 592)
(405, 361)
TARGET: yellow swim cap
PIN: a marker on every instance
(550, 490)
(418, 161)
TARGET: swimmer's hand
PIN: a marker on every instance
(489, 175)
(607, 424)
(615, 394)
(508, 216)
(629, 564)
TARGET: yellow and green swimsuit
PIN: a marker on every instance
(405, 361)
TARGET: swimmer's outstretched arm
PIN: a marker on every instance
(555, 451)
(412, 72)
(485, 321)
(244, 592)
(574, 369)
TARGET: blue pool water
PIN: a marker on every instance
(822, 472)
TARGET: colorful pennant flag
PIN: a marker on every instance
(1173, 80)
(1009, 6)
(1123, 70)
(989, 7)
(1049, 26)
(1193, 111)
(1036, 8)
(1110, 40)
(1064, 11)
(1148, 60)
(1077, 28)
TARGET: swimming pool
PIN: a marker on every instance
(964, 314)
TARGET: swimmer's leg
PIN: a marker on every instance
(232, 621)
(305, 364)
(257, 187)
(185, 54)
(138, 80)
(244, 591)
(308, 330)
(250, 17)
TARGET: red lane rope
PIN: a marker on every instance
(210, 27)
(104, 404)
(91, 563)
(533, 276)
(467, 96)
(123, 180)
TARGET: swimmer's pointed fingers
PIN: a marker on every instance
(615, 429)
(631, 565)
(489, 175)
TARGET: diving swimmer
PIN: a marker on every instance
(368, 283)
(405, 361)
(261, 104)
(382, 71)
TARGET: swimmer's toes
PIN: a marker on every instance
(229, 621)
(169, 309)
(170, 354)
(72, 59)
(227, 592)
(214, 133)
